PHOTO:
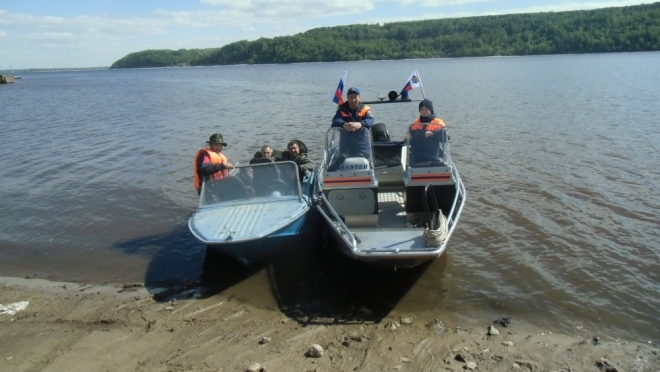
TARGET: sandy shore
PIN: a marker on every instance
(77, 327)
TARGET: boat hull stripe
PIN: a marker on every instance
(444, 177)
(347, 181)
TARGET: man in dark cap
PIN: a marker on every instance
(210, 163)
(353, 115)
(426, 136)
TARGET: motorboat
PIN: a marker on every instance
(255, 211)
(388, 208)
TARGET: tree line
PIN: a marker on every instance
(621, 29)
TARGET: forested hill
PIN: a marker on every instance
(622, 29)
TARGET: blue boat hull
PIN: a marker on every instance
(302, 231)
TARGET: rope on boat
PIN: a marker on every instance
(435, 237)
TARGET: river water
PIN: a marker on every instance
(558, 155)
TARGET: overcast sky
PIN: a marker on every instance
(96, 33)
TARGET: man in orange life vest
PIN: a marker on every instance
(353, 115)
(426, 135)
(210, 162)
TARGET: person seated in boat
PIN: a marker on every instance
(297, 153)
(353, 115)
(425, 136)
(210, 163)
(266, 152)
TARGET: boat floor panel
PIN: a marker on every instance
(391, 210)
(387, 240)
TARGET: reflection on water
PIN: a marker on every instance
(558, 155)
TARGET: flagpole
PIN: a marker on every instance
(420, 84)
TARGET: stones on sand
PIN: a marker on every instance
(492, 331)
(255, 367)
(392, 325)
(406, 321)
(604, 365)
(316, 351)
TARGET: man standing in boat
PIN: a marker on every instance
(353, 115)
(210, 162)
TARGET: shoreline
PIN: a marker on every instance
(71, 326)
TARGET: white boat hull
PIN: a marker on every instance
(394, 234)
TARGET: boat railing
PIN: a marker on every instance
(456, 208)
(339, 223)
(433, 198)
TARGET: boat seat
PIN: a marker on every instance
(380, 133)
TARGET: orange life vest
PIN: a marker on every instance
(435, 124)
(215, 159)
(360, 114)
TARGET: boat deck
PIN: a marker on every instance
(393, 233)
(391, 210)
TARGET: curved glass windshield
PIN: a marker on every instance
(271, 181)
(427, 145)
(348, 150)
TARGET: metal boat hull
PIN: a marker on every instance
(256, 211)
(300, 231)
(380, 214)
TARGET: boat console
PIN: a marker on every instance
(348, 180)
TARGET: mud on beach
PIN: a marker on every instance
(80, 327)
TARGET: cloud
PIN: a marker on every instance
(287, 10)
(100, 39)
(439, 3)
(50, 36)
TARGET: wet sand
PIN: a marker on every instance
(86, 327)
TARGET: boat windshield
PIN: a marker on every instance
(346, 150)
(253, 183)
(428, 145)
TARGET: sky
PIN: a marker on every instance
(96, 33)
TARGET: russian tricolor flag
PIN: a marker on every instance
(413, 82)
(338, 99)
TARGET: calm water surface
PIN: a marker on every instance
(558, 155)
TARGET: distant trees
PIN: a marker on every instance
(622, 29)
(159, 58)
